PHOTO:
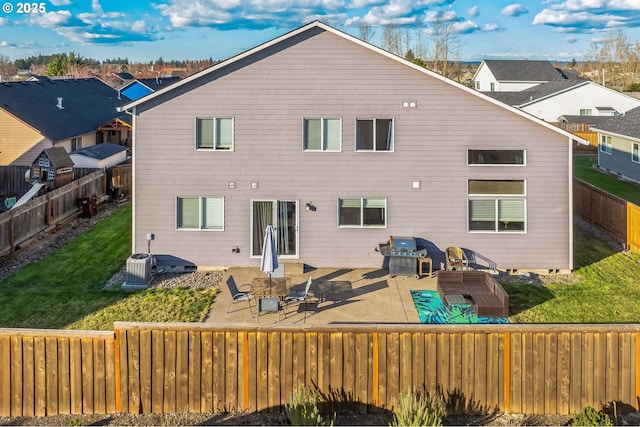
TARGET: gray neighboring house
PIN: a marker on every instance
(619, 145)
(511, 75)
(340, 145)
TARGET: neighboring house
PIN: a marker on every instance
(549, 101)
(53, 167)
(619, 149)
(496, 75)
(65, 113)
(340, 145)
(137, 88)
(102, 156)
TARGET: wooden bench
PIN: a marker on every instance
(483, 292)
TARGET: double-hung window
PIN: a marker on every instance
(496, 157)
(362, 212)
(200, 213)
(635, 152)
(214, 133)
(605, 144)
(497, 206)
(374, 134)
(323, 134)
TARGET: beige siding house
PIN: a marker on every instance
(341, 145)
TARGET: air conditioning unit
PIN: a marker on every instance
(138, 271)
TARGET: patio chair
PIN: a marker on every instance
(238, 296)
(299, 296)
(456, 259)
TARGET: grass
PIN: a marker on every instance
(65, 290)
(582, 169)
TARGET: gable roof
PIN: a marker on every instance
(318, 24)
(86, 104)
(523, 70)
(626, 125)
(536, 93)
(58, 156)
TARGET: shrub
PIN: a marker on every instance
(303, 408)
(416, 409)
(589, 416)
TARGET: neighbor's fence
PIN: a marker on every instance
(13, 183)
(617, 217)
(24, 222)
(164, 368)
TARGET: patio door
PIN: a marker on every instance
(283, 215)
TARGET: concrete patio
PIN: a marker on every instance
(344, 296)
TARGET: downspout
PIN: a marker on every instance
(570, 156)
(133, 115)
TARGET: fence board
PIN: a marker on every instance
(182, 372)
(633, 227)
(207, 403)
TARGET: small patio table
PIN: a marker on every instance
(270, 287)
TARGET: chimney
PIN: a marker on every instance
(60, 106)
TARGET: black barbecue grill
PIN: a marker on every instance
(403, 256)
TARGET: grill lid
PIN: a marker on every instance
(402, 243)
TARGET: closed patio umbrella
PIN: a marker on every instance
(269, 259)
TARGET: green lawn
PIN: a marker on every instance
(626, 190)
(65, 289)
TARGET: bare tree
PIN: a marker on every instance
(392, 39)
(366, 31)
(445, 44)
(7, 69)
(615, 59)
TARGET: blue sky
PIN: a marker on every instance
(201, 29)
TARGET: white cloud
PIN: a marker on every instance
(3, 21)
(60, 2)
(465, 27)
(50, 19)
(490, 27)
(440, 16)
(514, 10)
(473, 12)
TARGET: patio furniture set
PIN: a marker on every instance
(476, 288)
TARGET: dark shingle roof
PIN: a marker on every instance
(590, 120)
(535, 93)
(88, 103)
(523, 71)
(59, 157)
(100, 151)
(628, 124)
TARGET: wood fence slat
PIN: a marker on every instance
(64, 375)
(478, 371)
(39, 353)
(206, 403)
(431, 362)
(262, 371)
(418, 380)
(393, 368)
(299, 376)
(158, 367)
(182, 371)
(5, 376)
(75, 356)
(110, 375)
(286, 365)
(28, 377)
(613, 368)
(575, 403)
(146, 361)
(274, 374)
(361, 371)
(311, 359)
(348, 368)
(455, 371)
(587, 369)
(527, 373)
(51, 367)
(195, 370)
(100, 380)
(551, 373)
(169, 380)
(231, 370)
(383, 395)
(133, 371)
(517, 375)
(86, 358)
(625, 374)
(443, 370)
(467, 356)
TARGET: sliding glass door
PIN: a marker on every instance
(283, 216)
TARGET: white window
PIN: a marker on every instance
(362, 213)
(374, 134)
(585, 111)
(635, 152)
(214, 133)
(322, 134)
(76, 144)
(200, 213)
(503, 214)
(496, 157)
(605, 144)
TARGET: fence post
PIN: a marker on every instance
(12, 228)
(507, 372)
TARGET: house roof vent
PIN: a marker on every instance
(60, 106)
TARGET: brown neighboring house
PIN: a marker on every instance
(340, 145)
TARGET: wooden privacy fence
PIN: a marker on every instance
(617, 217)
(24, 222)
(165, 368)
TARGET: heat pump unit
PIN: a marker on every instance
(139, 270)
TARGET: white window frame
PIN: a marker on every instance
(586, 112)
(200, 213)
(215, 121)
(374, 150)
(635, 152)
(606, 146)
(322, 134)
(524, 158)
(362, 200)
(498, 198)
